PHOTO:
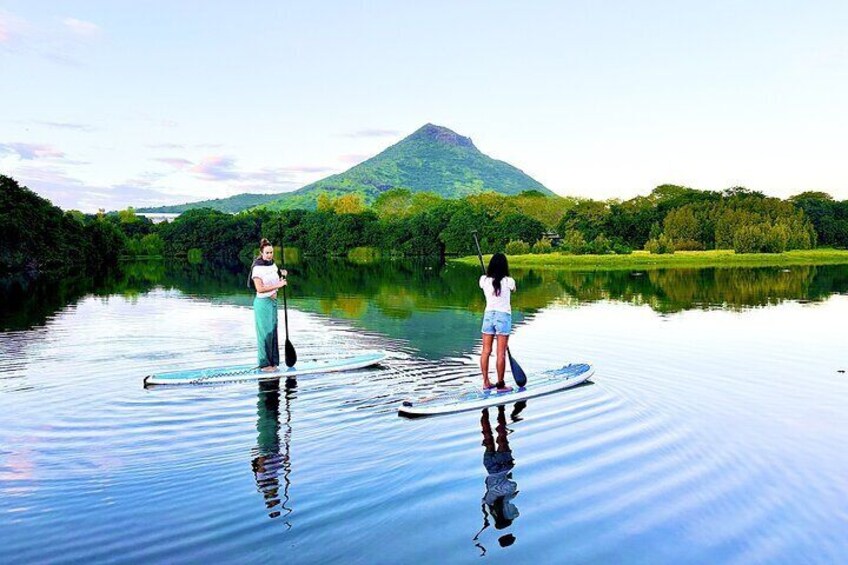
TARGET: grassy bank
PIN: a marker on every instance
(642, 260)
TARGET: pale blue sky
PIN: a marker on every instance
(109, 104)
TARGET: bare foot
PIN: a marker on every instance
(269, 369)
(487, 385)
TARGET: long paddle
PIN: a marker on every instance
(291, 355)
(517, 372)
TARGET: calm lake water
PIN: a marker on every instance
(715, 430)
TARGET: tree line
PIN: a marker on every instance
(38, 236)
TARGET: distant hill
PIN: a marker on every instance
(432, 159)
(232, 204)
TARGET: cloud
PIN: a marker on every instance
(51, 183)
(32, 151)
(61, 42)
(166, 146)
(216, 168)
(81, 28)
(353, 158)
(70, 193)
(176, 162)
(308, 169)
(11, 29)
(219, 178)
(268, 176)
(5, 32)
(65, 125)
(373, 132)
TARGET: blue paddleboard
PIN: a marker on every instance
(474, 397)
(252, 373)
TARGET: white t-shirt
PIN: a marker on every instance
(498, 303)
(268, 275)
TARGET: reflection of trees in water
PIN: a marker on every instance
(674, 290)
(397, 290)
(271, 456)
(351, 306)
(26, 303)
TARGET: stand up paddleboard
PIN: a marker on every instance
(252, 373)
(471, 398)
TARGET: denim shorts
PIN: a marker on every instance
(496, 323)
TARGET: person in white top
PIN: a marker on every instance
(498, 287)
(266, 277)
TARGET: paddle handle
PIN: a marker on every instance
(289, 352)
(479, 253)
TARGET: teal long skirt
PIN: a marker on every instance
(265, 314)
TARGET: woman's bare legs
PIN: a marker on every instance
(484, 359)
(503, 340)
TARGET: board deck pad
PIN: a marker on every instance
(474, 397)
(351, 362)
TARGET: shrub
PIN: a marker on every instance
(688, 245)
(517, 247)
(152, 244)
(749, 239)
(777, 237)
(542, 247)
(601, 245)
(621, 249)
(574, 242)
(662, 245)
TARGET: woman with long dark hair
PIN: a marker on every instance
(497, 286)
(267, 277)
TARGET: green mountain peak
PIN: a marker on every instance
(440, 134)
(432, 159)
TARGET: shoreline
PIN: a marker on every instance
(642, 260)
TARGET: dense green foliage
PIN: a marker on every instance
(37, 236)
(679, 218)
(829, 217)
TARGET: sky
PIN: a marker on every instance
(108, 104)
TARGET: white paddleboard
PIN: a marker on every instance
(356, 360)
(474, 397)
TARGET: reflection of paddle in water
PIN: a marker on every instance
(267, 459)
(500, 488)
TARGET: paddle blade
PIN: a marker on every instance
(517, 372)
(291, 356)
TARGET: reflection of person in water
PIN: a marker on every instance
(500, 488)
(267, 459)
